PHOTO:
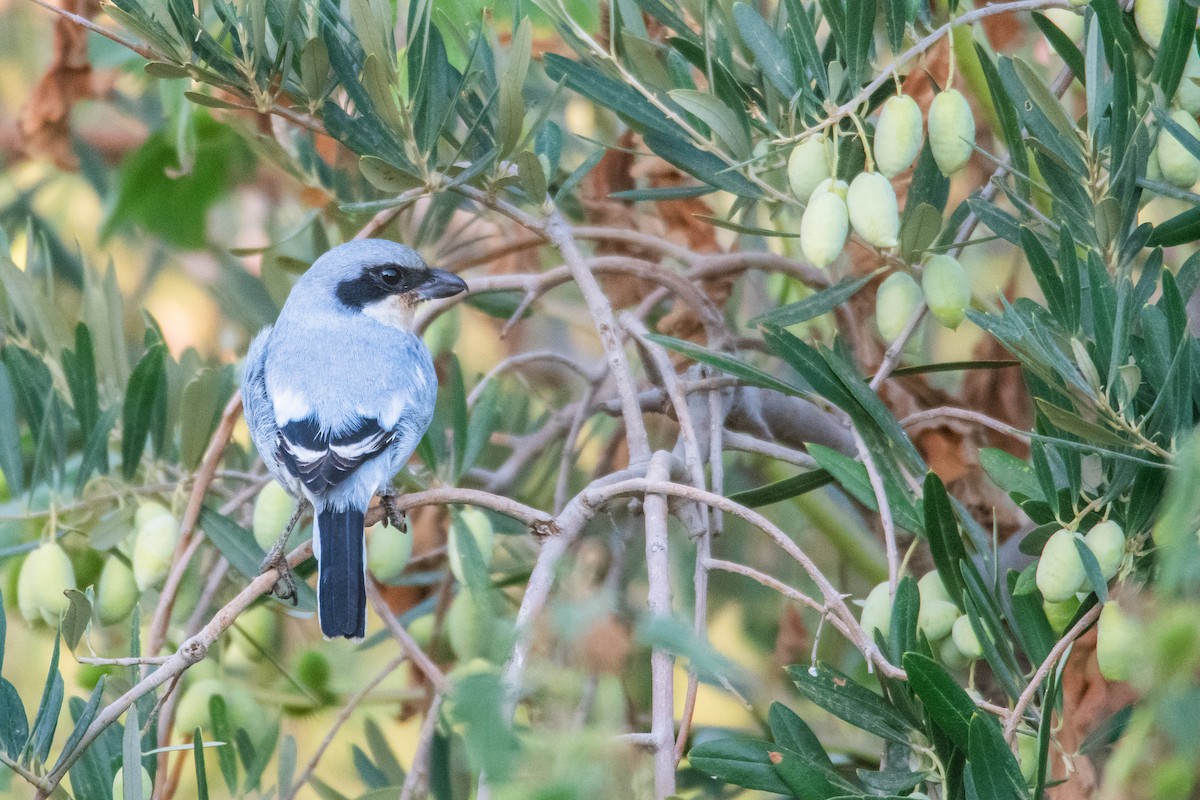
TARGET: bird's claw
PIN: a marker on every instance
(285, 585)
(392, 516)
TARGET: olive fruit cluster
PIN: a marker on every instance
(898, 133)
(869, 203)
(1060, 570)
(946, 628)
(944, 288)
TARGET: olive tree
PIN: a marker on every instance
(725, 294)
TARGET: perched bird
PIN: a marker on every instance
(337, 395)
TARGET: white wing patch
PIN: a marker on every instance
(290, 405)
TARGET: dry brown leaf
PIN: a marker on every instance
(792, 643)
(606, 645)
(46, 117)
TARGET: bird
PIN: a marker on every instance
(337, 395)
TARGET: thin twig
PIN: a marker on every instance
(1047, 665)
(658, 601)
(716, 428)
(411, 649)
(342, 718)
(420, 762)
(966, 415)
(885, 512)
(123, 662)
(833, 599)
(187, 526)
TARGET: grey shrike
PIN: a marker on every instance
(337, 395)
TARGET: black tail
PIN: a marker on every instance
(341, 574)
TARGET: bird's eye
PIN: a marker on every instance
(390, 276)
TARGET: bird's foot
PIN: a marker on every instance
(391, 515)
(285, 585)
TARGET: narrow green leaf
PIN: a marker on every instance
(902, 633)
(1183, 228)
(725, 124)
(726, 363)
(198, 762)
(1067, 142)
(11, 464)
(806, 779)
(919, 230)
(1178, 40)
(792, 732)
(95, 451)
(387, 177)
(147, 384)
(956, 366)
(768, 51)
(46, 720)
(367, 771)
(92, 774)
(381, 753)
(14, 725)
(748, 230)
(782, 490)
(895, 18)
(286, 764)
(82, 721)
(700, 164)
(80, 370)
(1071, 422)
(223, 731)
(841, 696)
(204, 397)
(579, 173)
(131, 755)
(814, 305)
(995, 772)
(257, 756)
(804, 41)
(511, 104)
(947, 704)
(1062, 44)
(1095, 577)
(1009, 472)
(237, 545)
(609, 93)
(860, 28)
(945, 543)
(208, 101)
(664, 193)
(740, 762)
(77, 618)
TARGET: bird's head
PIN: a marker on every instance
(381, 279)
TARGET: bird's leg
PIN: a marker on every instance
(285, 587)
(391, 515)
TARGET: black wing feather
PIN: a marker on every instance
(322, 461)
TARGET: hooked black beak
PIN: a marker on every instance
(439, 284)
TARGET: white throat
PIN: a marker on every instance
(394, 311)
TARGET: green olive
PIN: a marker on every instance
(1060, 572)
